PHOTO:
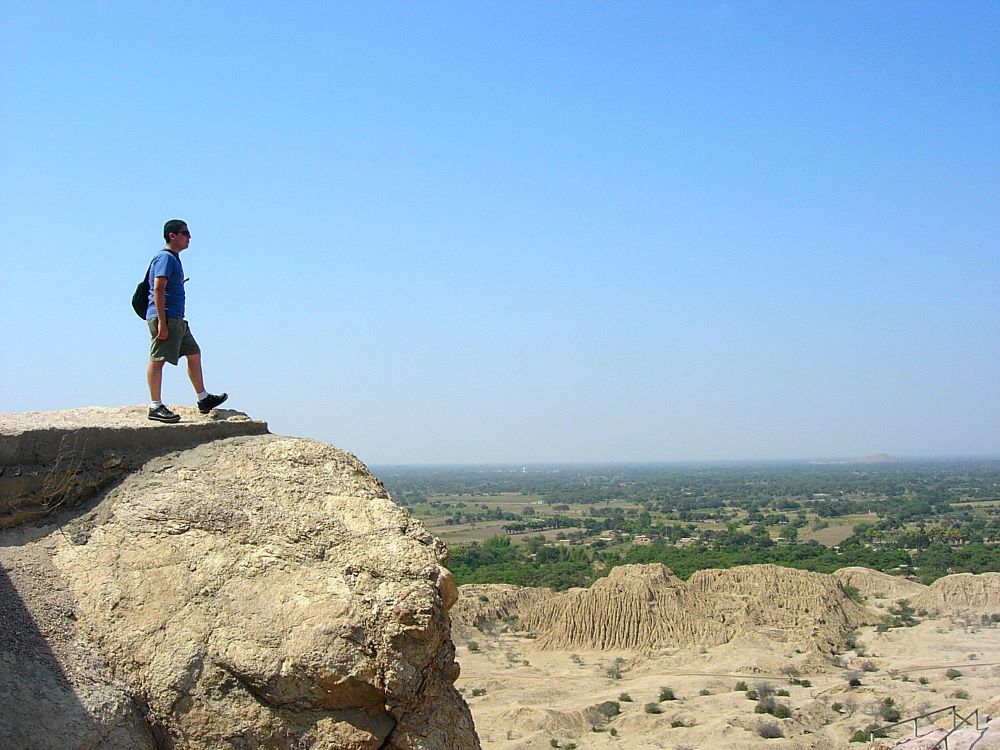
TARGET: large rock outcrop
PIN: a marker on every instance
(251, 592)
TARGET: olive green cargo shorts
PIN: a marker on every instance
(179, 343)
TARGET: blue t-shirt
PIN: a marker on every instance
(167, 264)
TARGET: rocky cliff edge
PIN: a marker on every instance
(246, 592)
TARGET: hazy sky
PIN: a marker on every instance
(518, 231)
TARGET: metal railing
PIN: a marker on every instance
(957, 720)
(955, 728)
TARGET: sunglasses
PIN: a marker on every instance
(185, 232)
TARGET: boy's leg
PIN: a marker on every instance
(194, 372)
(154, 378)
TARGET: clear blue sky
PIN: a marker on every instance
(518, 231)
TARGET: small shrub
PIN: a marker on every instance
(862, 735)
(613, 732)
(805, 683)
(625, 698)
(614, 673)
(770, 706)
(741, 687)
(553, 742)
(853, 593)
(838, 707)
(961, 694)
(473, 646)
(677, 723)
(652, 708)
(784, 693)
(952, 674)
(854, 682)
(608, 709)
(923, 680)
(770, 731)
(868, 666)
(888, 711)
(764, 689)
(476, 692)
(704, 691)
(752, 695)
(667, 694)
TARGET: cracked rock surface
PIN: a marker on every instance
(256, 592)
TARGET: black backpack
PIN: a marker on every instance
(140, 300)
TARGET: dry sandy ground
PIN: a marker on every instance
(532, 697)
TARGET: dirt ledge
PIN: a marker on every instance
(57, 459)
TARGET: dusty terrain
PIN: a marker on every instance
(526, 692)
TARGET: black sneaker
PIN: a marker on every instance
(211, 401)
(163, 414)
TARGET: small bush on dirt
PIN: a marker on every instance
(625, 698)
(961, 694)
(652, 708)
(608, 709)
(923, 680)
(473, 646)
(741, 687)
(868, 666)
(770, 706)
(476, 692)
(667, 694)
(888, 711)
(862, 735)
(853, 593)
(770, 731)
(952, 674)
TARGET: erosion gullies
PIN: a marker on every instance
(644, 607)
(962, 593)
(873, 584)
(495, 602)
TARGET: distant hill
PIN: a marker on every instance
(878, 458)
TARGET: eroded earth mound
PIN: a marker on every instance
(960, 593)
(643, 607)
(874, 584)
